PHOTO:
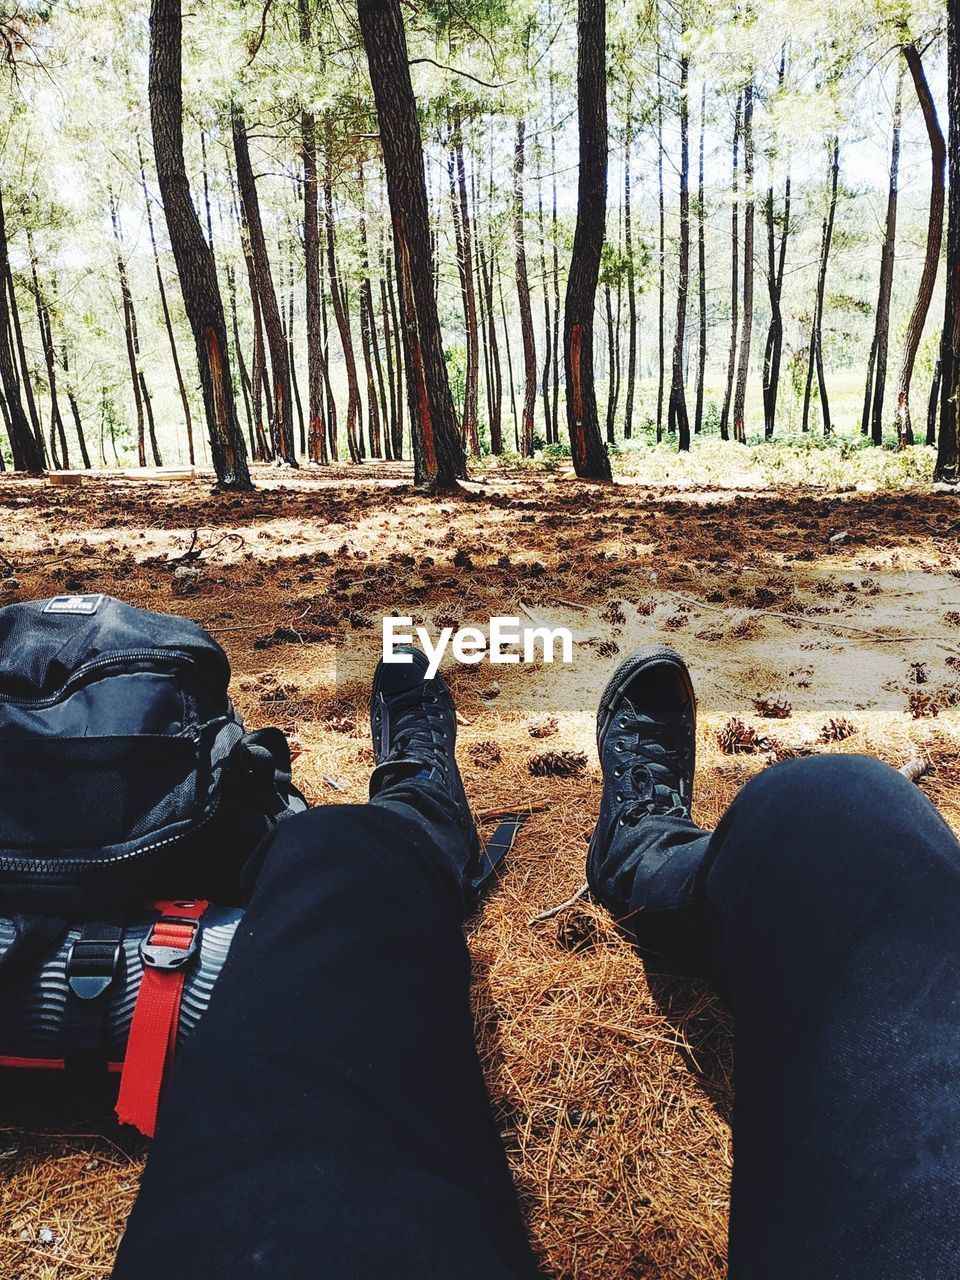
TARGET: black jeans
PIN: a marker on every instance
(329, 1117)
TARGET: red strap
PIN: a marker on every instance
(153, 1030)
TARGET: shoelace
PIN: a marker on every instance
(418, 728)
(652, 785)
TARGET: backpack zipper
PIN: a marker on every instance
(135, 655)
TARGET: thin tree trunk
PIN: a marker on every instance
(398, 357)
(547, 327)
(241, 362)
(947, 469)
(776, 262)
(701, 273)
(316, 433)
(6, 283)
(26, 450)
(931, 438)
(367, 336)
(678, 416)
(438, 451)
(57, 431)
(631, 271)
(734, 274)
(194, 258)
(338, 299)
(471, 438)
(74, 407)
(931, 263)
(590, 458)
(128, 331)
(523, 295)
(662, 295)
(815, 359)
(746, 320)
(332, 421)
(291, 351)
(165, 306)
(506, 343)
(553, 432)
(282, 422)
(877, 369)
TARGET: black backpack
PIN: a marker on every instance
(125, 772)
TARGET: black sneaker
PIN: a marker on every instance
(646, 739)
(414, 726)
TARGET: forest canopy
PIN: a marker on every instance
(766, 259)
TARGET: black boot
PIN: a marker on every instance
(414, 726)
(645, 847)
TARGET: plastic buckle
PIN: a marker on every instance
(156, 955)
(89, 986)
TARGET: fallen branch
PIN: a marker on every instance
(555, 911)
(801, 618)
(915, 769)
(507, 811)
(197, 549)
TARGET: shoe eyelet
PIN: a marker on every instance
(618, 772)
(620, 746)
(623, 724)
(620, 797)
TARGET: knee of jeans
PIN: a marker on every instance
(843, 814)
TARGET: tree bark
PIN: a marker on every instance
(316, 434)
(677, 413)
(590, 458)
(471, 438)
(130, 340)
(27, 454)
(74, 407)
(701, 273)
(947, 469)
(339, 301)
(547, 326)
(165, 307)
(631, 272)
(57, 429)
(523, 296)
(746, 320)
(815, 359)
(877, 368)
(662, 293)
(368, 333)
(21, 355)
(438, 451)
(776, 262)
(193, 256)
(734, 274)
(931, 263)
(283, 439)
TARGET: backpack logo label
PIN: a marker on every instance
(83, 605)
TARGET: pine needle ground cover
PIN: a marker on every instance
(813, 621)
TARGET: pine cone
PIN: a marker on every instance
(773, 706)
(737, 738)
(836, 730)
(558, 764)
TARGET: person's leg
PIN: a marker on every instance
(825, 908)
(328, 1116)
(832, 898)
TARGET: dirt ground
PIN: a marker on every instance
(818, 621)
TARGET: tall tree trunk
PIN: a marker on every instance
(815, 359)
(471, 438)
(283, 438)
(507, 347)
(678, 417)
(238, 352)
(495, 416)
(552, 432)
(339, 301)
(165, 307)
(397, 357)
(590, 458)
(931, 262)
(701, 272)
(631, 271)
(151, 422)
(776, 262)
(438, 451)
(746, 320)
(367, 331)
(57, 430)
(21, 354)
(662, 255)
(130, 337)
(193, 256)
(27, 454)
(547, 327)
(259, 388)
(332, 420)
(734, 274)
(74, 407)
(316, 434)
(947, 470)
(931, 438)
(291, 350)
(523, 295)
(877, 368)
